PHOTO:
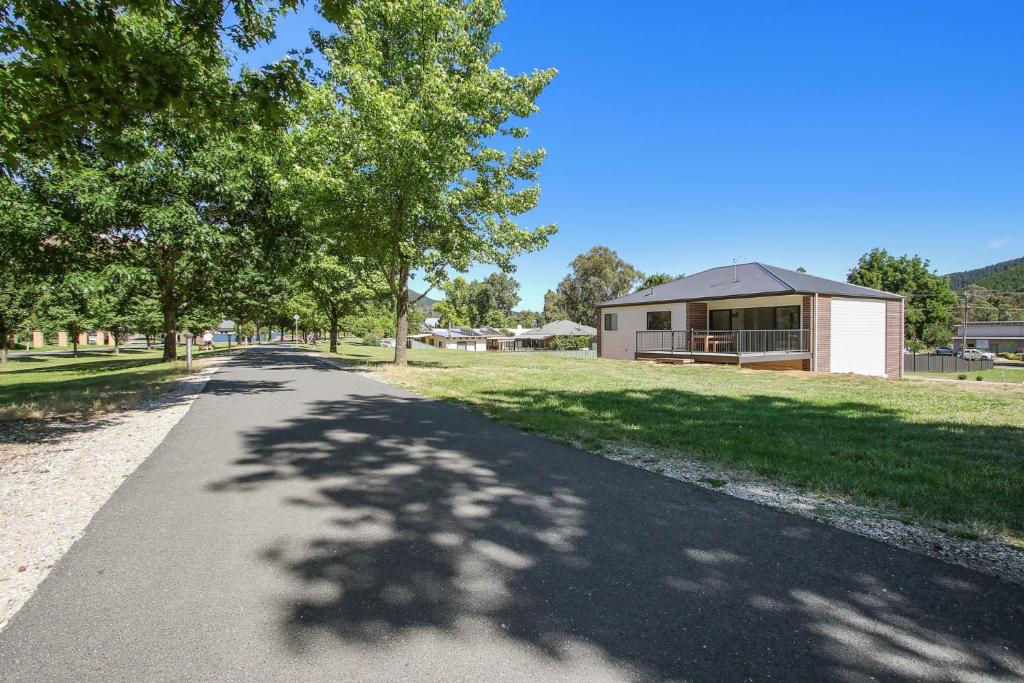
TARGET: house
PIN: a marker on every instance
(542, 337)
(752, 313)
(457, 338)
(428, 324)
(998, 336)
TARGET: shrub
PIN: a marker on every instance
(979, 378)
(370, 339)
(570, 343)
(961, 376)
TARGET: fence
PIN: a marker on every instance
(732, 341)
(931, 362)
(568, 353)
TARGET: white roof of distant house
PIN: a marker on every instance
(431, 322)
(559, 328)
(456, 332)
(742, 280)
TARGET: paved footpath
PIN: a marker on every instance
(304, 522)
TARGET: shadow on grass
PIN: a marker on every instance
(437, 521)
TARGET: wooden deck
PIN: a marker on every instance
(726, 358)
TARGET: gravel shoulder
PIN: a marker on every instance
(55, 474)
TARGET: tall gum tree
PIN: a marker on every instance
(413, 137)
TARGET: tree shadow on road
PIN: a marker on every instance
(435, 520)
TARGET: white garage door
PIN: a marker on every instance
(858, 336)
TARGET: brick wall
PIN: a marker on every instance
(893, 339)
(696, 316)
(599, 325)
(823, 334)
(821, 339)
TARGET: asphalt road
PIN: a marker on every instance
(303, 522)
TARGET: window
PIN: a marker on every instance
(611, 321)
(659, 320)
(759, 318)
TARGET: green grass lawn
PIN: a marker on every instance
(44, 386)
(1014, 375)
(950, 454)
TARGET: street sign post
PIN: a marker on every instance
(227, 326)
(296, 332)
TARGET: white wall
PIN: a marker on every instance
(621, 343)
(453, 344)
(858, 336)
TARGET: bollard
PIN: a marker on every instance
(188, 352)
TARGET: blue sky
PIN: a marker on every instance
(687, 134)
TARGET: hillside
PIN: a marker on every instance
(1006, 276)
(426, 304)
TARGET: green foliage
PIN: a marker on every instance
(401, 141)
(88, 68)
(456, 310)
(570, 343)
(72, 302)
(929, 300)
(595, 276)
(1006, 276)
(657, 279)
(371, 340)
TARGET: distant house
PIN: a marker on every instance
(1003, 336)
(429, 324)
(753, 313)
(458, 338)
(542, 337)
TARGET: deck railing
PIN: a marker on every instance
(731, 341)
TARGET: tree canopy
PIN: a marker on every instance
(929, 300)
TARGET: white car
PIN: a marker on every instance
(387, 343)
(976, 354)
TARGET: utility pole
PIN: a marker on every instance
(963, 335)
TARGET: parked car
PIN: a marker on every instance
(387, 343)
(943, 351)
(976, 354)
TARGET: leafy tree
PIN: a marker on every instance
(70, 301)
(418, 109)
(457, 308)
(596, 276)
(657, 279)
(554, 307)
(123, 297)
(493, 298)
(18, 294)
(341, 287)
(929, 299)
(74, 69)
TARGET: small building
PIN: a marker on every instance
(429, 324)
(753, 313)
(457, 338)
(543, 337)
(998, 336)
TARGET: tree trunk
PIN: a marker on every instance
(74, 345)
(3, 345)
(170, 312)
(147, 341)
(402, 315)
(334, 333)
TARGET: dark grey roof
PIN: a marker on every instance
(746, 279)
(559, 328)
